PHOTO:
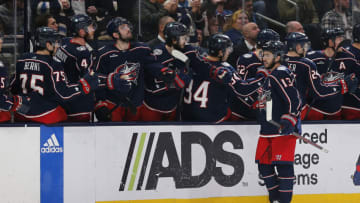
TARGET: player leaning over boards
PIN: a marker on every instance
(213, 82)
(45, 83)
(276, 148)
(308, 80)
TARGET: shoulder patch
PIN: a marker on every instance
(283, 68)
(247, 56)
(311, 52)
(157, 52)
(81, 48)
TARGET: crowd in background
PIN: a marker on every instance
(203, 18)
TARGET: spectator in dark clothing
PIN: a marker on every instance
(340, 16)
(190, 15)
(151, 12)
(160, 39)
(46, 20)
(252, 17)
(322, 7)
(234, 27)
(7, 21)
(247, 44)
(61, 10)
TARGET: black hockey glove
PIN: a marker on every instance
(287, 123)
(90, 82)
(119, 82)
(21, 104)
(102, 113)
(221, 74)
(167, 75)
(349, 84)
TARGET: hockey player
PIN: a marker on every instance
(130, 59)
(4, 115)
(356, 177)
(162, 99)
(246, 66)
(276, 148)
(351, 107)
(214, 80)
(333, 63)
(76, 56)
(45, 84)
(308, 80)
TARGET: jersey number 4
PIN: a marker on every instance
(30, 81)
(200, 95)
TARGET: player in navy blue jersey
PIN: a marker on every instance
(308, 80)
(162, 99)
(75, 55)
(129, 59)
(332, 61)
(214, 81)
(45, 83)
(246, 66)
(351, 107)
(276, 147)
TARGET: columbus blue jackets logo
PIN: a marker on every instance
(129, 71)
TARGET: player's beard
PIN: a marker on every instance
(125, 39)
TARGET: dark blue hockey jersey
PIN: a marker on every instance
(308, 81)
(158, 94)
(131, 62)
(285, 99)
(207, 99)
(46, 84)
(5, 102)
(75, 58)
(246, 66)
(343, 62)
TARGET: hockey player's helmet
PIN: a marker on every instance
(113, 25)
(266, 35)
(44, 35)
(331, 33)
(294, 38)
(356, 33)
(81, 21)
(275, 47)
(173, 31)
(219, 42)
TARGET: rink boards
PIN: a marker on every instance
(167, 163)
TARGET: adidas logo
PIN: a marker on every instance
(51, 145)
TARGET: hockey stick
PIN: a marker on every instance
(270, 120)
(182, 57)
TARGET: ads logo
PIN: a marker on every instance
(179, 166)
(51, 145)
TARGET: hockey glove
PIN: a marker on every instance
(90, 82)
(349, 84)
(119, 82)
(102, 113)
(21, 104)
(287, 123)
(221, 74)
(167, 75)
